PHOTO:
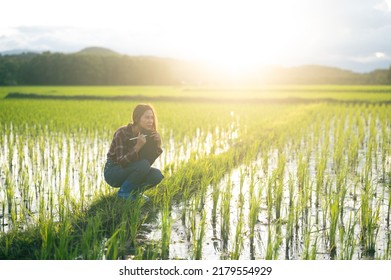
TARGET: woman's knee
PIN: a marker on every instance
(143, 165)
(111, 178)
(156, 176)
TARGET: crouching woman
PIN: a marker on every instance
(133, 150)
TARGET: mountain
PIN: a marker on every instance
(97, 51)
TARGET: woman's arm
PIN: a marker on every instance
(152, 150)
(156, 138)
(125, 152)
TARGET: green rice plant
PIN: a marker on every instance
(325, 205)
(198, 231)
(215, 199)
(10, 192)
(291, 217)
(353, 152)
(134, 218)
(309, 250)
(265, 162)
(384, 146)
(113, 243)
(90, 249)
(269, 197)
(341, 189)
(204, 184)
(238, 241)
(369, 221)
(3, 214)
(347, 239)
(304, 186)
(225, 215)
(338, 144)
(367, 173)
(254, 200)
(314, 249)
(63, 248)
(334, 217)
(166, 226)
(269, 247)
(279, 185)
(47, 234)
(389, 204)
(274, 241)
(186, 192)
(387, 253)
(321, 163)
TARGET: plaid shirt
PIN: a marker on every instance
(122, 149)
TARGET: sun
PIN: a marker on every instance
(236, 39)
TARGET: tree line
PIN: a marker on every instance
(100, 68)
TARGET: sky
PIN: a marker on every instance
(234, 35)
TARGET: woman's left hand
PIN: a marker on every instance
(156, 137)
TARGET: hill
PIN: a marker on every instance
(102, 66)
(97, 51)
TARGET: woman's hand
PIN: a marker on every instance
(141, 140)
(156, 138)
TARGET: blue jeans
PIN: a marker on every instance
(136, 177)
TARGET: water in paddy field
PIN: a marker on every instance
(255, 247)
(37, 172)
(231, 234)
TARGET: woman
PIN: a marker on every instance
(133, 150)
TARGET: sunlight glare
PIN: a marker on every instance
(236, 39)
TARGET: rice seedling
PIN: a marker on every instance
(225, 214)
(309, 250)
(347, 239)
(274, 241)
(166, 227)
(238, 239)
(198, 231)
(254, 199)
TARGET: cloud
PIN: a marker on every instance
(35, 38)
(71, 39)
(380, 55)
(373, 57)
(384, 6)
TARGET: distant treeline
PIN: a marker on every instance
(109, 68)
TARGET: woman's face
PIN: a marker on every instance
(146, 120)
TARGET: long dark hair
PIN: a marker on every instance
(140, 110)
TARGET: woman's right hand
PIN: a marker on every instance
(141, 140)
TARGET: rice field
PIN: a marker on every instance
(248, 179)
